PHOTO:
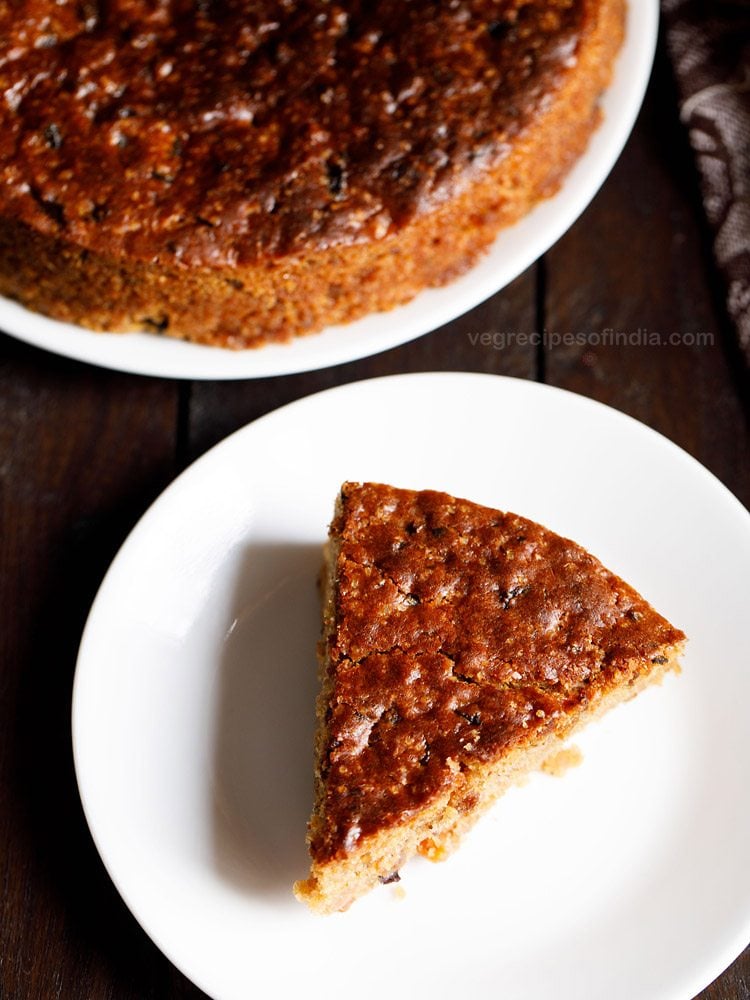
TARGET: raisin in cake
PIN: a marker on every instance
(461, 645)
(238, 173)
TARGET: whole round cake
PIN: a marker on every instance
(236, 172)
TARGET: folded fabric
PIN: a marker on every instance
(709, 45)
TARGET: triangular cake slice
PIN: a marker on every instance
(460, 646)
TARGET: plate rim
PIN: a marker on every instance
(735, 942)
(177, 359)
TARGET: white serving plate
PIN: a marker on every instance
(193, 715)
(514, 250)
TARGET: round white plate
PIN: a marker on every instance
(514, 250)
(193, 715)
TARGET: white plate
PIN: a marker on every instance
(514, 250)
(194, 712)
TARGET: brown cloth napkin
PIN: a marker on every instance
(709, 45)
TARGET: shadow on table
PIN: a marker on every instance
(77, 929)
(261, 795)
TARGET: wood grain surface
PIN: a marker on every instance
(83, 452)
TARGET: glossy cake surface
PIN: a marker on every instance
(211, 148)
(459, 641)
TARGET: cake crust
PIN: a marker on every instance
(236, 173)
(461, 645)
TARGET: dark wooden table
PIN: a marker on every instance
(83, 452)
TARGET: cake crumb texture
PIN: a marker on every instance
(557, 764)
(461, 646)
(236, 173)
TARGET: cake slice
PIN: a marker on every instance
(460, 646)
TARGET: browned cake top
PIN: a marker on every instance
(459, 630)
(221, 132)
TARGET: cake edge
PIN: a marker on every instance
(437, 830)
(276, 300)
